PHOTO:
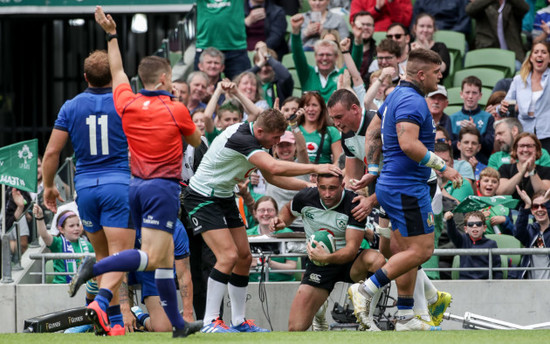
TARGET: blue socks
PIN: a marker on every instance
(115, 316)
(405, 303)
(164, 279)
(103, 298)
(128, 260)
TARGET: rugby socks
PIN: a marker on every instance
(128, 260)
(376, 281)
(103, 298)
(217, 284)
(430, 291)
(164, 279)
(420, 307)
(237, 289)
(115, 315)
(405, 306)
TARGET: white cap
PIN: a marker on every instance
(440, 90)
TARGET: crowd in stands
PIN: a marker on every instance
(300, 56)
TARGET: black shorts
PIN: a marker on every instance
(325, 277)
(208, 213)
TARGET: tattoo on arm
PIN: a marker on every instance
(400, 130)
(375, 146)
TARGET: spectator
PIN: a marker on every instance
(324, 76)
(506, 131)
(276, 80)
(498, 24)
(212, 62)
(228, 114)
(497, 219)
(541, 25)
(180, 90)
(69, 240)
(317, 19)
(289, 106)
(291, 7)
(472, 116)
(265, 209)
(322, 140)
(531, 92)
(265, 22)
(437, 103)
(384, 76)
(524, 172)
(492, 106)
(198, 83)
(198, 118)
(534, 235)
(334, 36)
(399, 33)
(449, 15)
(388, 55)
(462, 166)
(16, 211)
(445, 152)
(473, 238)
(223, 28)
(249, 84)
(363, 28)
(423, 32)
(469, 144)
(385, 12)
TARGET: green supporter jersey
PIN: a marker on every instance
(500, 158)
(461, 193)
(59, 264)
(220, 24)
(313, 140)
(273, 276)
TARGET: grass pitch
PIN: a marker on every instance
(333, 337)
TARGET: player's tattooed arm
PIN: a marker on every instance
(374, 145)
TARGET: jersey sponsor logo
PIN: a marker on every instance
(311, 147)
(151, 220)
(219, 4)
(170, 224)
(315, 278)
(146, 105)
(86, 223)
(309, 215)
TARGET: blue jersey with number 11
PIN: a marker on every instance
(405, 104)
(96, 132)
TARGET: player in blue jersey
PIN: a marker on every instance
(102, 176)
(155, 320)
(407, 136)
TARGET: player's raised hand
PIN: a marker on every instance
(51, 195)
(452, 175)
(276, 224)
(106, 21)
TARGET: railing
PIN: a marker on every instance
(44, 257)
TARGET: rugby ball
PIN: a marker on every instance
(324, 239)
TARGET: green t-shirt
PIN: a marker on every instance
(211, 136)
(313, 140)
(273, 276)
(62, 265)
(220, 24)
(500, 158)
(497, 210)
(461, 193)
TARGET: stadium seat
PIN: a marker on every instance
(294, 74)
(378, 36)
(288, 60)
(452, 109)
(489, 77)
(507, 241)
(455, 41)
(49, 269)
(453, 95)
(504, 60)
(251, 56)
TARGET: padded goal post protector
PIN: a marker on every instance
(57, 321)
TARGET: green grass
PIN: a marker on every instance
(334, 337)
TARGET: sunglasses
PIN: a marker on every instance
(538, 206)
(396, 36)
(474, 224)
(443, 140)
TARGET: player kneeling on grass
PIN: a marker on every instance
(327, 207)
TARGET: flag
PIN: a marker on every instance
(18, 165)
(473, 203)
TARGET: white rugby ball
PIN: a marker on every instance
(325, 240)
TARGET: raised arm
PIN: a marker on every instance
(267, 163)
(345, 45)
(41, 225)
(115, 60)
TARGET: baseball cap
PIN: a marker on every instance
(440, 90)
(288, 136)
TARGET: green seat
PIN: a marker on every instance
(504, 60)
(507, 241)
(288, 60)
(453, 95)
(489, 77)
(251, 56)
(49, 269)
(378, 36)
(455, 41)
(455, 274)
(294, 74)
(297, 92)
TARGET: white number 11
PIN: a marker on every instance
(103, 123)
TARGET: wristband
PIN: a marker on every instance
(345, 51)
(296, 130)
(532, 173)
(433, 161)
(39, 218)
(109, 36)
(373, 169)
